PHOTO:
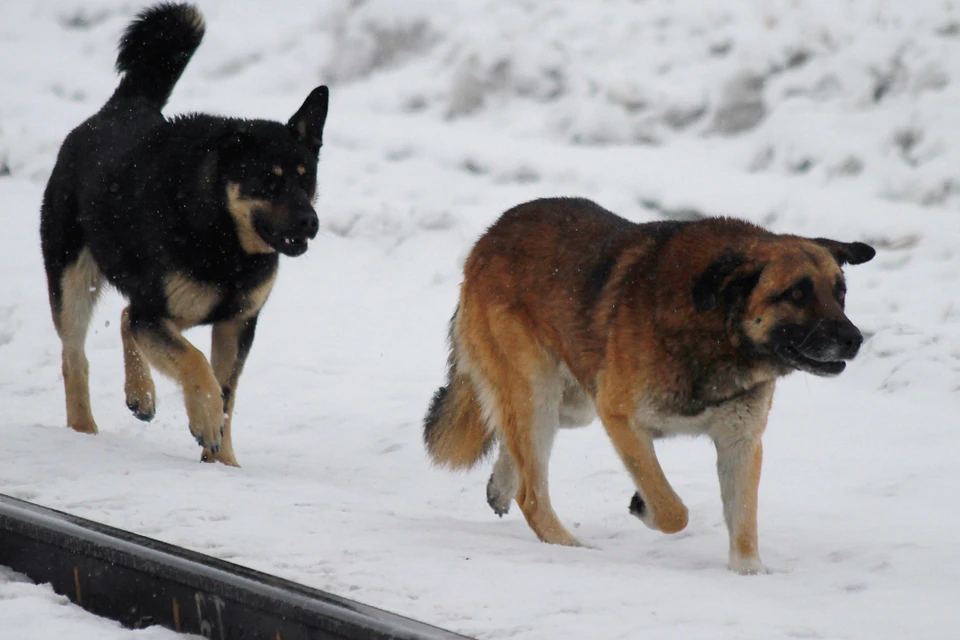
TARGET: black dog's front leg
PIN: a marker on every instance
(231, 340)
(162, 344)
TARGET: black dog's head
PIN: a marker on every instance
(785, 299)
(270, 173)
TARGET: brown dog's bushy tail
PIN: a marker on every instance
(155, 49)
(454, 431)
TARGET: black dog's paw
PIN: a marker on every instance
(213, 448)
(638, 507)
(141, 414)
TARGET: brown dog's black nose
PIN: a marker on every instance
(849, 338)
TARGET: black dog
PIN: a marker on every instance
(185, 217)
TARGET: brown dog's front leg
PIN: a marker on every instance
(658, 505)
(738, 466)
(739, 458)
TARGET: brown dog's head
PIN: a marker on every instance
(784, 301)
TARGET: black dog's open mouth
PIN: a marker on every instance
(289, 244)
(792, 356)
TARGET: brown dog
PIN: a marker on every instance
(568, 311)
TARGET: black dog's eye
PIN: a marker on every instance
(273, 180)
(799, 295)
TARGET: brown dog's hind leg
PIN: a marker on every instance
(529, 434)
(72, 310)
(231, 342)
(503, 483)
(138, 384)
(528, 392)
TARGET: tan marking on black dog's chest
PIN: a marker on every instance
(254, 299)
(189, 301)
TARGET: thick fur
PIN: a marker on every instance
(185, 217)
(568, 311)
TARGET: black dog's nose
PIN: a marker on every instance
(307, 223)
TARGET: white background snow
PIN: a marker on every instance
(829, 118)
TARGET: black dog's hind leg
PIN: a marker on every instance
(231, 342)
(165, 348)
(74, 289)
(138, 384)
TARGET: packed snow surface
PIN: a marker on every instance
(831, 118)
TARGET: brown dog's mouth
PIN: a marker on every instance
(793, 357)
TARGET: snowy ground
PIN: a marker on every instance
(32, 612)
(824, 118)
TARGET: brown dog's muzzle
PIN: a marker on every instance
(820, 346)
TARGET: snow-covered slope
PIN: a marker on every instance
(827, 118)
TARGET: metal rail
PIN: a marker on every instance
(139, 582)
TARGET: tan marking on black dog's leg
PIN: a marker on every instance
(171, 354)
(738, 466)
(231, 341)
(664, 509)
(80, 287)
(223, 357)
(138, 385)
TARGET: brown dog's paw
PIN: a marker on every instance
(498, 500)
(669, 523)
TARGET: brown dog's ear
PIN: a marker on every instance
(307, 123)
(847, 252)
(728, 277)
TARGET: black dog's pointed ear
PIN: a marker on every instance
(847, 252)
(307, 123)
(728, 275)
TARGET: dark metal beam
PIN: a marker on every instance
(139, 582)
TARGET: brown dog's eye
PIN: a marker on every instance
(799, 295)
(840, 292)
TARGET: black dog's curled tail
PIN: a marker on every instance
(155, 49)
